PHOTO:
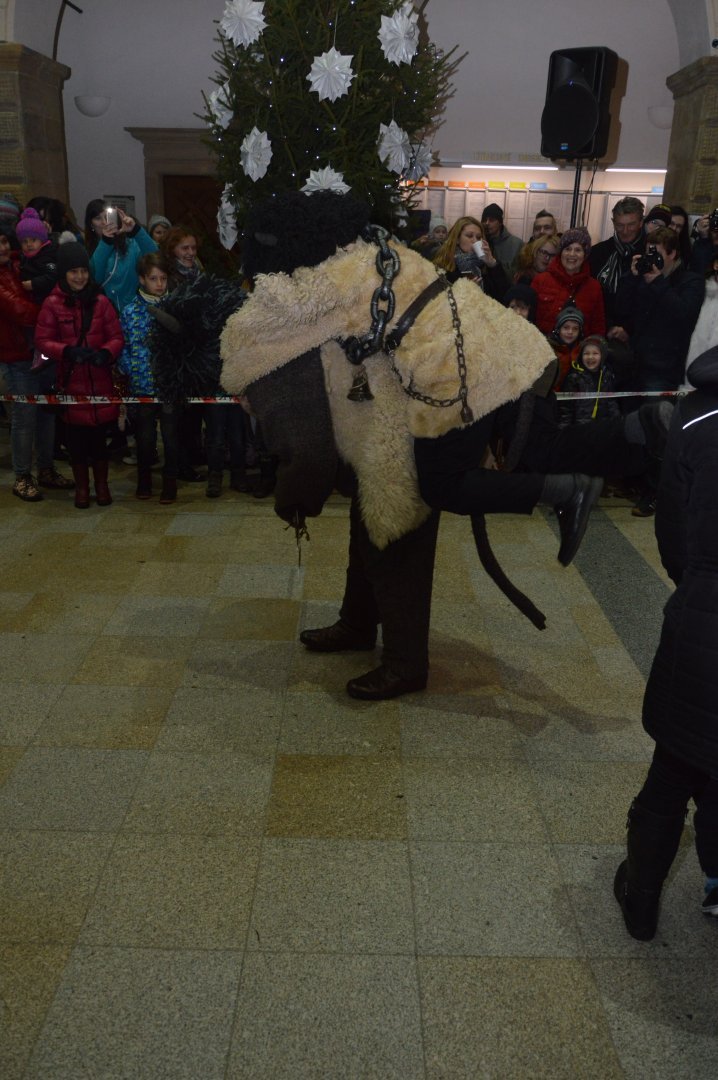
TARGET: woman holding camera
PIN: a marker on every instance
(467, 253)
(115, 242)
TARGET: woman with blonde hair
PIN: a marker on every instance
(534, 258)
(467, 253)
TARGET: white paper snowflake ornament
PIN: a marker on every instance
(325, 180)
(399, 35)
(421, 158)
(394, 147)
(226, 221)
(331, 75)
(255, 153)
(243, 21)
(219, 107)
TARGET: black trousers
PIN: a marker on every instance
(392, 587)
(144, 421)
(667, 789)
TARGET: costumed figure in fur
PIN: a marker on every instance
(187, 361)
(405, 410)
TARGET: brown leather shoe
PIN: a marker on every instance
(381, 683)
(337, 638)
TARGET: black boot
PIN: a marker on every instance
(144, 484)
(267, 478)
(239, 481)
(214, 485)
(652, 844)
(168, 494)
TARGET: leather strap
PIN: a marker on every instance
(406, 321)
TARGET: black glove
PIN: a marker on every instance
(101, 357)
(77, 354)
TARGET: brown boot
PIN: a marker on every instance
(81, 473)
(99, 471)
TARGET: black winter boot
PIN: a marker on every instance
(144, 484)
(652, 844)
(239, 481)
(214, 485)
(267, 478)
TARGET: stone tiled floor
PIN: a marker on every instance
(216, 865)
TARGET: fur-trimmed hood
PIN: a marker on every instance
(289, 315)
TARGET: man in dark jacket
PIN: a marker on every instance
(664, 303)
(680, 707)
(612, 258)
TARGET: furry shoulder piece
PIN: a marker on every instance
(286, 316)
(186, 344)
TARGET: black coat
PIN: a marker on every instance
(663, 314)
(680, 708)
(581, 381)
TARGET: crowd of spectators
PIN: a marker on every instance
(77, 317)
(79, 312)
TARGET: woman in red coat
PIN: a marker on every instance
(568, 281)
(78, 328)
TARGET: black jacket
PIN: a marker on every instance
(663, 314)
(581, 381)
(680, 708)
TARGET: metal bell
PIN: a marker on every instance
(360, 386)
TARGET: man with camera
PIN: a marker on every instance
(705, 249)
(661, 300)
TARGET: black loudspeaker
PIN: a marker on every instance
(575, 120)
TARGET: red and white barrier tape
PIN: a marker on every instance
(237, 399)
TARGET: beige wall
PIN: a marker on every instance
(154, 59)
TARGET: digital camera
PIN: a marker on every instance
(650, 261)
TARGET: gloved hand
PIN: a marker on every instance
(101, 357)
(77, 354)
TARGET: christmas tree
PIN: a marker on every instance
(315, 94)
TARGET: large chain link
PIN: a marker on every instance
(387, 266)
(467, 415)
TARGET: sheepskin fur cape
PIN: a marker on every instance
(288, 315)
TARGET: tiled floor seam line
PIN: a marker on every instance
(250, 918)
(599, 572)
(417, 966)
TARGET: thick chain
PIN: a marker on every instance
(467, 415)
(387, 266)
